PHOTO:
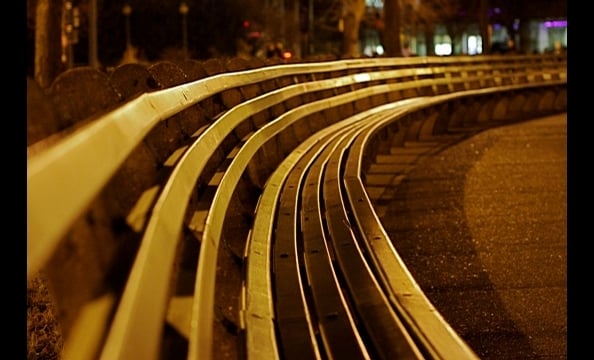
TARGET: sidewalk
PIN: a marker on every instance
(481, 226)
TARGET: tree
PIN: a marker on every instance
(392, 43)
(48, 40)
(484, 25)
(353, 13)
(411, 17)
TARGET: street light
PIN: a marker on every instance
(183, 10)
(69, 34)
(127, 10)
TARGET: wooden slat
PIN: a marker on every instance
(258, 308)
(437, 337)
(388, 337)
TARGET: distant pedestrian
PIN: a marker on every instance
(379, 26)
(274, 50)
(406, 51)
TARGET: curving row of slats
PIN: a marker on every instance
(152, 191)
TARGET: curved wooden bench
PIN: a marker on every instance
(285, 238)
(194, 184)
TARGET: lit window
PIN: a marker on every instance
(379, 4)
(443, 49)
(443, 45)
(475, 45)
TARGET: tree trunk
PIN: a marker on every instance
(484, 26)
(48, 45)
(353, 13)
(392, 46)
(428, 31)
(293, 34)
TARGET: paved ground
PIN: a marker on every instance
(481, 224)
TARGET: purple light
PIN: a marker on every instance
(494, 11)
(556, 23)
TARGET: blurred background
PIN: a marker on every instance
(105, 33)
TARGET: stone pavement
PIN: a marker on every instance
(481, 224)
